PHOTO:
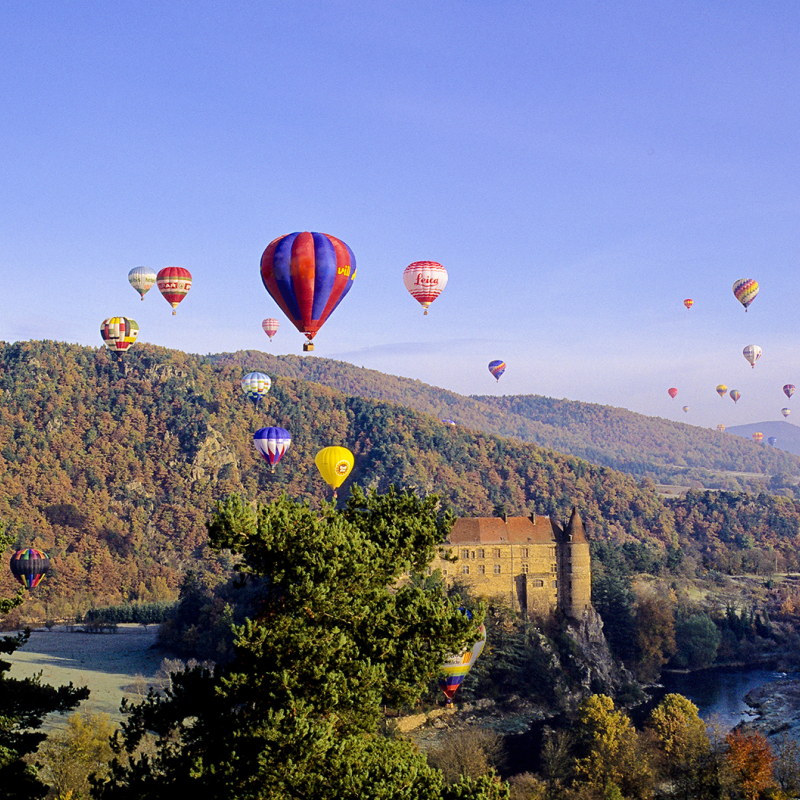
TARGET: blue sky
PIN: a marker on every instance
(579, 168)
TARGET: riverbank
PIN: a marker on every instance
(775, 707)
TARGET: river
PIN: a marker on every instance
(719, 693)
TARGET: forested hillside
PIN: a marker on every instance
(113, 466)
(666, 451)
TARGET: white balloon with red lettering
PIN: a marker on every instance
(425, 280)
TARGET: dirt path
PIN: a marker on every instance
(108, 663)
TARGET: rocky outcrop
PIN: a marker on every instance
(776, 708)
(213, 454)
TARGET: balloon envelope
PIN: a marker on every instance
(685, 409)
(119, 333)
(174, 283)
(29, 566)
(334, 464)
(688, 302)
(721, 389)
(720, 428)
(272, 444)
(786, 411)
(735, 395)
(425, 280)
(455, 669)
(308, 274)
(673, 392)
(757, 437)
(752, 353)
(788, 390)
(745, 291)
(255, 385)
(497, 368)
(143, 279)
(270, 326)
(773, 440)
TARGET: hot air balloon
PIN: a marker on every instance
(786, 411)
(272, 444)
(143, 279)
(255, 385)
(752, 353)
(455, 669)
(308, 274)
(721, 428)
(334, 464)
(735, 394)
(757, 437)
(673, 392)
(449, 422)
(721, 389)
(425, 280)
(745, 291)
(688, 302)
(174, 283)
(29, 566)
(497, 368)
(119, 333)
(773, 440)
(270, 326)
(788, 390)
(686, 409)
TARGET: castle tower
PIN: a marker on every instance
(575, 569)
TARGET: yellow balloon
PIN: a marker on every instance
(334, 464)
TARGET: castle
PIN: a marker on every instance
(532, 562)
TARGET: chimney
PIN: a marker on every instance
(532, 517)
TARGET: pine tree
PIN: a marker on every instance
(296, 713)
(23, 707)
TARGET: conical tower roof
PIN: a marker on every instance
(575, 531)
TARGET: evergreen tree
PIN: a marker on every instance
(23, 706)
(296, 713)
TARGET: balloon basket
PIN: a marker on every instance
(308, 347)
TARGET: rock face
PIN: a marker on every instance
(212, 455)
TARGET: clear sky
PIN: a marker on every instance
(578, 167)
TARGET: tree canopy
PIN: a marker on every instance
(296, 713)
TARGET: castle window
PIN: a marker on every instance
(496, 569)
(444, 572)
(472, 554)
(524, 569)
(497, 553)
(524, 552)
(481, 569)
(481, 554)
(555, 584)
(465, 554)
(465, 569)
(537, 584)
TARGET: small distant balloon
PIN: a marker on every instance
(672, 392)
(735, 394)
(334, 464)
(272, 444)
(449, 422)
(758, 436)
(270, 326)
(686, 409)
(29, 566)
(752, 353)
(143, 279)
(721, 389)
(497, 368)
(425, 280)
(455, 669)
(119, 333)
(788, 390)
(174, 283)
(773, 440)
(745, 291)
(721, 428)
(786, 411)
(688, 302)
(255, 386)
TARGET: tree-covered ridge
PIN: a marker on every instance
(670, 452)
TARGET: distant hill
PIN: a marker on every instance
(787, 435)
(666, 451)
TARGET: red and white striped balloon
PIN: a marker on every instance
(425, 280)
